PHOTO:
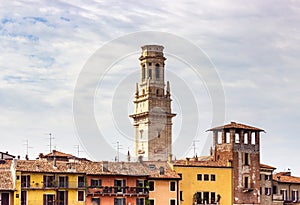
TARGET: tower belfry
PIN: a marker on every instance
(152, 107)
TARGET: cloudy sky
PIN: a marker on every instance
(254, 46)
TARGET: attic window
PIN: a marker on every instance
(152, 166)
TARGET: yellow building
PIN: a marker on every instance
(204, 181)
(163, 183)
(39, 182)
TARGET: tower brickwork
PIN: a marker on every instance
(239, 145)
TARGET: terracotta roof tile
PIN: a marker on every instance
(58, 154)
(266, 166)
(6, 180)
(153, 168)
(285, 177)
(235, 126)
(204, 161)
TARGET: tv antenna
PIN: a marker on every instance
(27, 146)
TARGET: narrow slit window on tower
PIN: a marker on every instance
(150, 73)
(246, 182)
(246, 138)
(143, 72)
(157, 71)
(246, 159)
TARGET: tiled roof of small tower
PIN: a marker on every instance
(153, 168)
(6, 180)
(285, 177)
(234, 125)
(264, 166)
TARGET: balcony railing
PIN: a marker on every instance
(55, 185)
(104, 190)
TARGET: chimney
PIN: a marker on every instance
(140, 159)
(18, 156)
(26, 157)
(105, 166)
(161, 170)
(41, 156)
(187, 161)
(54, 163)
(196, 158)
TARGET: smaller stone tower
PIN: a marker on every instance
(239, 145)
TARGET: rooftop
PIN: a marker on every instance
(203, 161)
(234, 125)
(285, 177)
(6, 180)
(160, 170)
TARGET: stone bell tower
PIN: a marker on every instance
(152, 107)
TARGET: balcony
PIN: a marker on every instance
(54, 185)
(117, 191)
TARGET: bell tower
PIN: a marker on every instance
(239, 145)
(152, 107)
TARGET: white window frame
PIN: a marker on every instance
(172, 199)
(83, 195)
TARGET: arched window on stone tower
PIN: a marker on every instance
(157, 71)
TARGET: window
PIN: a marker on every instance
(206, 177)
(199, 177)
(96, 183)
(151, 185)
(139, 185)
(213, 177)
(81, 181)
(246, 159)
(227, 138)
(253, 138)
(25, 181)
(246, 138)
(206, 197)
(96, 201)
(157, 71)
(283, 192)
(172, 186)
(172, 202)
(49, 199)
(237, 138)
(212, 197)
(140, 201)
(143, 72)
(23, 197)
(63, 181)
(295, 195)
(120, 201)
(246, 182)
(49, 181)
(268, 191)
(219, 138)
(150, 64)
(119, 186)
(274, 189)
(268, 177)
(62, 197)
(181, 196)
(150, 73)
(151, 201)
(80, 196)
